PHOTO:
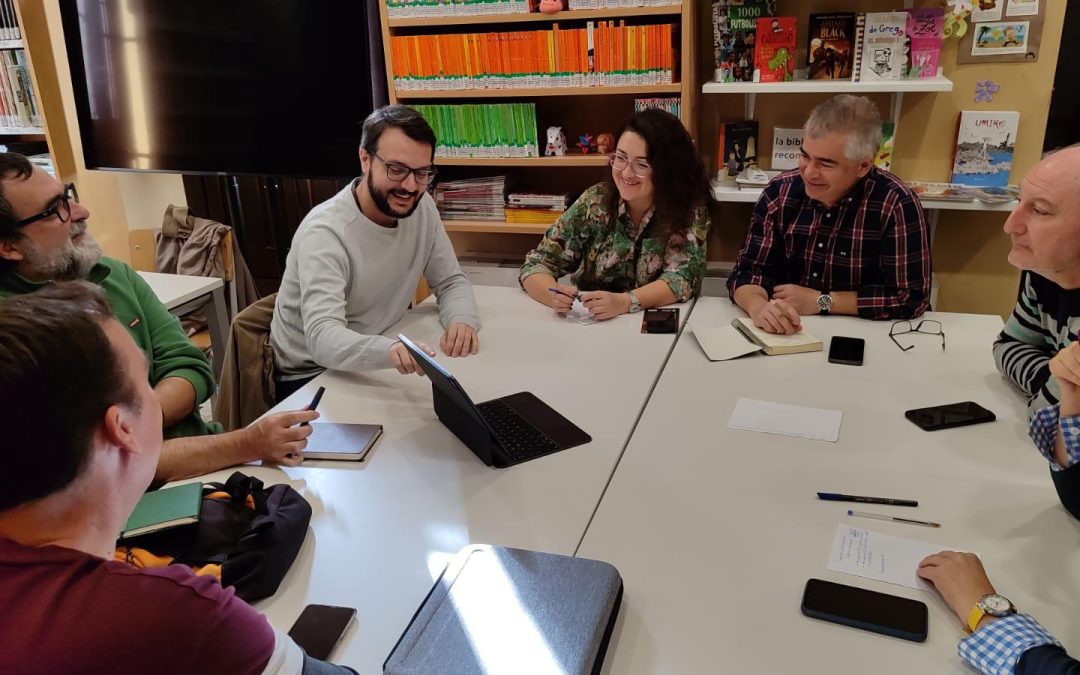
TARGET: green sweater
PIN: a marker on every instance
(157, 332)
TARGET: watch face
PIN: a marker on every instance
(996, 605)
(824, 303)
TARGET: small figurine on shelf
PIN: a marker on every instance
(585, 142)
(556, 142)
(551, 6)
(605, 143)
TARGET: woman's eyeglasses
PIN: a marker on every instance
(60, 208)
(638, 167)
(925, 327)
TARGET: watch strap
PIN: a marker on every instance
(975, 616)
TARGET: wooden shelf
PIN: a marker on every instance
(533, 17)
(495, 227)
(566, 160)
(22, 131)
(11, 44)
(829, 87)
(732, 194)
(545, 91)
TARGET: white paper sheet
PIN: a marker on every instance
(873, 555)
(723, 344)
(786, 420)
(580, 314)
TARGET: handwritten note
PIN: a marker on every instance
(580, 314)
(872, 555)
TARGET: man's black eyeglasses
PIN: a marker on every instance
(399, 172)
(60, 208)
(926, 327)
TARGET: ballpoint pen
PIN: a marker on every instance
(878, 516)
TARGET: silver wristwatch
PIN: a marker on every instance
(996, 605)
(824, 303)
(635, 304)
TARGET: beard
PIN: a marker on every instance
(72, 261)
(382, 201)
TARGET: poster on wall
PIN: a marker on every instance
(1004, 39)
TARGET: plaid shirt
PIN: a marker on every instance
(1043, 431)
(996, 648)
(873, 241)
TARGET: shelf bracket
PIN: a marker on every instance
(896, 104)
(748, 106)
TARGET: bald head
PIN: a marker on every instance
(1045, 226)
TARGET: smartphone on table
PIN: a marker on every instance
(866, 610)
(320, 628)
(846, 350)
(949, 416)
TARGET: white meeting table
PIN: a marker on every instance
(716, 530)
(383, 529)
(183, 293)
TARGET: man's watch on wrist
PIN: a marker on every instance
(824, 303)
(992, 604)
(635, 304)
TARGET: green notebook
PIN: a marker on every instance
(164, 509)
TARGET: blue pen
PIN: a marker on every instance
(836, 497)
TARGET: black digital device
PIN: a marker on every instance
(948, 416)
(660, 320)
(320, 628)
(866, 610)
(846, 350)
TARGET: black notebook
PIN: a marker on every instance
(330, 440)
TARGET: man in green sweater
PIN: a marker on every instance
(43, 239)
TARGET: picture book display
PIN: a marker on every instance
(830, 49)
(924, 30)
(737, 147)
(985, 144)
(883, 56)
(775, 53)
(735, 37)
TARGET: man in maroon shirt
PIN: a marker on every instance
(837, 236)
(82, 440)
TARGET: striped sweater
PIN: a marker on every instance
(1045, 320)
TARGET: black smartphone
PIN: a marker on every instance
(660, 320)
(320, 628)
(948, 416)
(866, 610)
(846, 350)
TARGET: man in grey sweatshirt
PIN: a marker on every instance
(356, 259)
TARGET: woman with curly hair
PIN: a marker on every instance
(636, 240)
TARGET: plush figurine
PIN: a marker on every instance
(556, 142)
(605, 143)
(551, 6)
(584, 143)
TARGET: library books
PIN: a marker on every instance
(9, 21)
(397, 9)
(525, 207)
(472, 199)
(925, 26)
(600, 54)
(954, 192)
(672, 105)
(735, 37)
(483, 130)
(774, 55)
(737, 146)
(613, 4)
(883, 48)
(830, 46)
(985, 143)
(18, 104)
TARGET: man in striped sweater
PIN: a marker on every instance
(1045, 232)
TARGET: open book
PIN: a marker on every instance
(743, 337)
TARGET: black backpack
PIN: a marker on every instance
(252, 533)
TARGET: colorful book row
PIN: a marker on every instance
(483, 130)
(408, 9)
(18, 104)
(621, 4)
(672, 105)
(600, 54)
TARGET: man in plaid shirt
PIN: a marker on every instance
(837, 236)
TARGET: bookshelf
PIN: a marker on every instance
(734, 194)
(578, 109)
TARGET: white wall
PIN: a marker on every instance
(145, 196)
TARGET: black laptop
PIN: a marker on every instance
(502, 431)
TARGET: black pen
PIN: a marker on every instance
(314, 402)
(836, 497)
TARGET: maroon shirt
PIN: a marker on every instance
(64, 611)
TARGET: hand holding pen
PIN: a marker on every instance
(562, 298)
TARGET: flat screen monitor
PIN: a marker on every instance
(264, 87)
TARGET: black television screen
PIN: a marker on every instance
(271, 87)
